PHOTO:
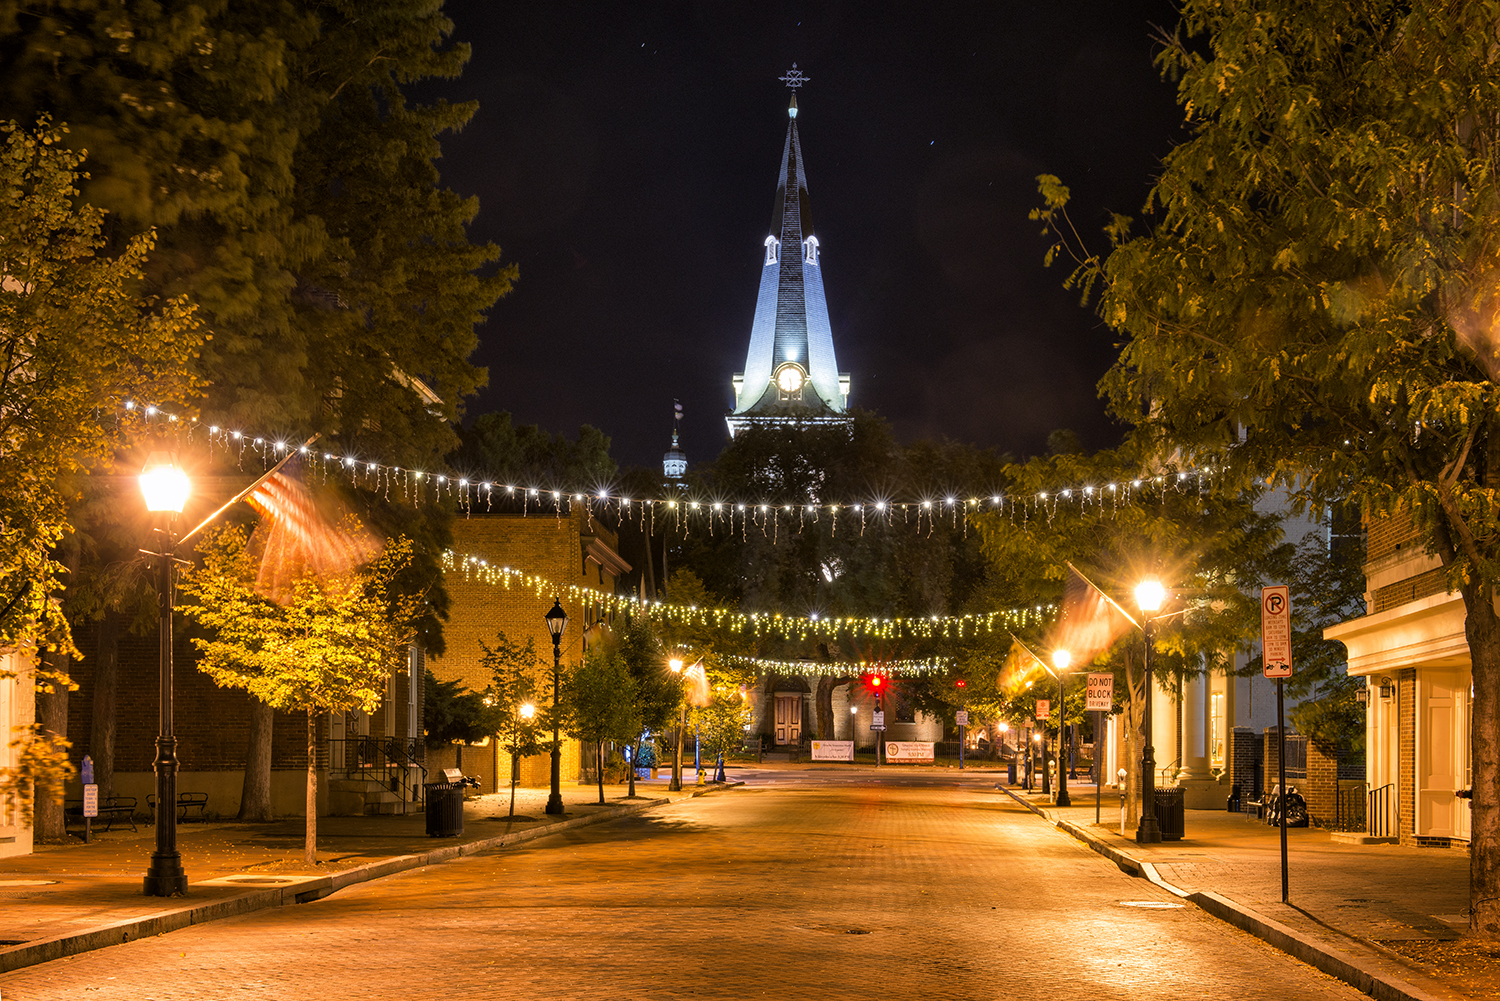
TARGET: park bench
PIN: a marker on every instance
(190, 806)
(111, 809)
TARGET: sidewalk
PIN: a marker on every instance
(71, 898)
(1384, 918)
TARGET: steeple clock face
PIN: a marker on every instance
(789, 379)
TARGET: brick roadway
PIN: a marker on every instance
(938, 889)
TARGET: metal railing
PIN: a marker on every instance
(1349, 808)
(1381, 820)
(391, 761)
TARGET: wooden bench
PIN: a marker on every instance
(111, 809)
(187, 803)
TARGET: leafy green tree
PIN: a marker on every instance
(600, 704)
(330, 649)
(656, 691)
(452, 714)
(1312, 298)
(513, 694)
(721, 726)
(492, 446)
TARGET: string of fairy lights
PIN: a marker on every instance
(891, 668)
(757, 624)
(675, 510)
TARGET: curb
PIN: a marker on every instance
(1331, 961)
(302, 891)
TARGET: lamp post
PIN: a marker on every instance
(1149, 595)
(1060, 660)
(165, 488)
(676, 784)
(557, 621)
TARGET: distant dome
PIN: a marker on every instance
(674, 462)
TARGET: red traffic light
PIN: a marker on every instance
(876, 681)
(961, 683)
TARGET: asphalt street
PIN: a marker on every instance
(901, 887)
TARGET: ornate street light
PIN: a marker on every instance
(1149, 595)
(165, 488)
(1060, 660)
(676, 784)
(557, 621)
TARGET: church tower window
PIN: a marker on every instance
(773, 247)
(810, 250)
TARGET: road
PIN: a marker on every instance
(883, 888)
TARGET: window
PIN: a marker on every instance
(773, 246)
(1216, 729)
(810, 250)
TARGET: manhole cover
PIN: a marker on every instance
(28, 882)
(1153, 905)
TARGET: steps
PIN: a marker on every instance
(353, 797)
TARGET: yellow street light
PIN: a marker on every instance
(163, 483)
(528, 711)
(1149, 594)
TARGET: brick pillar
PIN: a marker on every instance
(1240, 758)
(1271, 756)
(1321, 789)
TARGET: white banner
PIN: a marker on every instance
(1100, 695)
(909, 752)
(833, 750)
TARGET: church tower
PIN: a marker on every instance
(791, 375)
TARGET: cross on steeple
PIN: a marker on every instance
(794, 78)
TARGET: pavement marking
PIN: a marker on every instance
(29, 882)
(1159, 905)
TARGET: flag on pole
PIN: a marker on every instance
(300, 534)
(697, 686)
(1091, 621)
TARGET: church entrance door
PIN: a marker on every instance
(788, 719)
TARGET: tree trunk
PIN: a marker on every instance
(106, 684)
(1483, 632)
(824, 705)
(52, 717)
(600, 773)
(310, 845)
(255, 794)
(1135, 718)
(515, 765)
(635, 750)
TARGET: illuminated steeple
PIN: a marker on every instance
(791, 374)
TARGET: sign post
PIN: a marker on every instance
(90, 798)
(877, 723)
(1276, 662)
(1099, 698)
(963, 721)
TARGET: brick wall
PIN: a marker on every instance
(1243, 761)
(1386, 536)
(1434, 581)
(1321, 787)
(553, 548)
(1270, 756)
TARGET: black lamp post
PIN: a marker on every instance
(1148, 597)
(1060, 660)
(165, 488)
(557, 621)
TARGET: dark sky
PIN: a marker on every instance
(625, 157)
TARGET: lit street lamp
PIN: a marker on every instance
(557, 621)
(676, 784)
(1149, 595)
(1060, 660)
(165, 488)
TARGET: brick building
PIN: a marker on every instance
(1411, 650)
(568, 550)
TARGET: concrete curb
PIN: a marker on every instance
(301, 891)
(1290, 941)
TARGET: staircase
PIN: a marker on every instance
(356, 797)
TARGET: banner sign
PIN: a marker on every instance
(963, 717)
(909, 752)
(833, 750)
(1100, 694)
(1043, 708)
(1276, 631)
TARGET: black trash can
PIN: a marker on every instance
(1169, 813)
(445, 809)
(1011, 776)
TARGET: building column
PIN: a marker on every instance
(1200, 789)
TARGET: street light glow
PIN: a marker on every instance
(528, 711)
(675, 664)
(1061, 659)
(1149, 594)
(163, 483)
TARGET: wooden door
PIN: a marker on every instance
(788, 719)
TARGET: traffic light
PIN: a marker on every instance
(961, 683)
(877, 685)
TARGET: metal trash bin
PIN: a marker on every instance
(1169, 813)
(1011, 772)
(445, 805)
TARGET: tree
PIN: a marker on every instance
(451, 714)
(721, 726)
(1313, 296)
(601, 704)
(494, 447)
(513, 692)
(655, 691)
(331, 648)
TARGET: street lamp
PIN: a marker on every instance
(676, 784)
(557, 621)
(1060, 660)
(1149, 595)
(165, 488)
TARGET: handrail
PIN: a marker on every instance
(1380, 823)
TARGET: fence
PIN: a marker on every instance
(390, 761)
(1349, 808)
(1381, 816)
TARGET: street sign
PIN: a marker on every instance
(878, 723)
(1043, 708)
(1099, 696)
(963, 717)
(1276, 631)
(91, 800)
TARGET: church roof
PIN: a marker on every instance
(790, 368)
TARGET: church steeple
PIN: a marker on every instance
(791, 374)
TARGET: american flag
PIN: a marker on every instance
(300, 534)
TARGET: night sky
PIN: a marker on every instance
(625, 157)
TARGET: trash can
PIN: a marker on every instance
(445, 809)
(1011, 777)
(1169, 813)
